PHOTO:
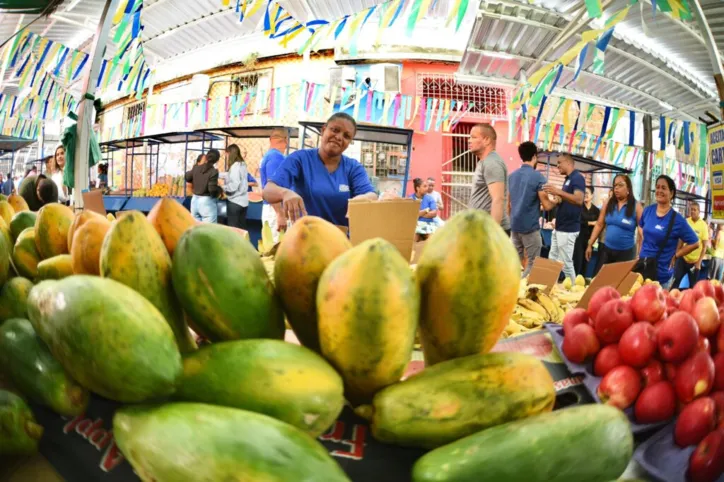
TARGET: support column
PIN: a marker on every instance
(86, 111)
(712, 50)
(648, 149)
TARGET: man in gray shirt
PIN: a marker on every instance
(490, 182)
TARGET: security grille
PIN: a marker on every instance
(491, 102)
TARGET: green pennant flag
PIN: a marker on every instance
(614, 122)
(703, 146)
(542, 88)
(594, 8)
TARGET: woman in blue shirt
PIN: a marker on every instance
(428, 210)
(655, 222)
(620, 218)
(320, 182)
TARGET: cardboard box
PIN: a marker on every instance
(93, 201)
(613, 274)
(545, 272)
(393, 220)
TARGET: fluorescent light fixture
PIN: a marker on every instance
(666, 106)
(498, 55)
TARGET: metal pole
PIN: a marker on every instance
(407, 165)
(648, 149)
(186, 153)
(712, 49)
(86, 111)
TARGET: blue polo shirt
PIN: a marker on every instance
(325, 194)
(271, 161)
(426, 202)
(524, 185)
(620, 228)
(654, 228)
(568, 217)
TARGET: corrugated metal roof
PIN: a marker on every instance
(670, 66)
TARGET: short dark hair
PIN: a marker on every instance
(47, 190)
(213, 156)
(590, 188)
(417, 182)
(527, 150)
(10, 174)
(669, 182)
(343, 116)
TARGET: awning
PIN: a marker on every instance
(585, 165)
(371, 133)
(12, 144)
(252, 132)
(167, 138)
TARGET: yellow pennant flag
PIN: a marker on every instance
(572, 53)
(118, 16)
(567, 116)
(254, 7)
(535, 79)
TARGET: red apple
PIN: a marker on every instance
(719, 371)
(675, 294)
(620, 387)
(719, 294)
(694, 377)
(649, 303)
(688, 300)
(672, 305)
(705, 288)
(600, 298)
(657, 403)
(652, 373)
(695, 422)
(703, 345)
(670, 371)
(706, 314)
(718, 398)
(677, 337)
(613, 319)
(720, 340)
(638, 344)
(580, 343)
(706, 463)
(573, 318)
(606, 360)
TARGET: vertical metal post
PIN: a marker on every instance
(407, 166)
(648, 149)
(12, 161)
(86, 111)
(712, 50)
(186, 153)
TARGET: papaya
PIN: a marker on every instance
(57, 267)
(3, 197)
(223, 286)
(6, 212)
(368, 304)
(36, 373)
(110, 217)
(5, 232)
(108, 338)
(459, 397)
(14, 298)
(586, 442)
(5, 255)
(51, 230)
(79, 220)
(170, 219)
(300, 388)
(134, 254)
(25, 254)
(87, 243)
(20, 432)
(469, 274)
(18, 203)
(301, 258)
(218, 443)
(21, 221)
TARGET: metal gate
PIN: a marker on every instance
(457, 171)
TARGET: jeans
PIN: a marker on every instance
(203, 208)
(528, 245)
(681, 269)
(235, 215)
(562, 246)
(716, 269)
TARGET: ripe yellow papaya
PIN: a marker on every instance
(79, 220)
(87, 242)
(51, 230)
(18, 203)
(170, 219)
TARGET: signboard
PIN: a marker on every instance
(716, 168)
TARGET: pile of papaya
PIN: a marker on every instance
(115, 307)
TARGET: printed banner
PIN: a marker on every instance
(716, 168)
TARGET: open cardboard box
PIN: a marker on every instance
(93, 201)
(393, 220)
(545, 272)
(618, 275)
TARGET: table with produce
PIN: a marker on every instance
(104, 376)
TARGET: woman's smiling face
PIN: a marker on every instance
(336, 136)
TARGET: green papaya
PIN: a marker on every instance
(218, 443)
(133, 253)
(300, 387)
(21, 221)
(57, 267)
(14, 298)
(25, 254)
(19, 432)
(36, 373)
(5, 255)
(222, 284)
(108, 337)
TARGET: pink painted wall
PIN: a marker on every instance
(431, 149)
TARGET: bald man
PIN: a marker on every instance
(490, 181)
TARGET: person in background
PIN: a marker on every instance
(438, 199)
(663, 228)
(56, 166)
(568, 217)
(690, 265)
(716, 268)
(428, 210)
(38, 190)
(273, 158)
(320, 182)
(490, 181)
(235, 187)
(204, 179)
(8, 187)
(620, 217)
(526, 197)
(250, 181)
(589, 215)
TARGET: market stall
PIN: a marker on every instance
(11, 145)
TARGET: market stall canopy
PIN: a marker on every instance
(13, 144)
(167, 138)
(30, 6)
(663, 71)
(370, 133)
(252, 132)
(585, 165)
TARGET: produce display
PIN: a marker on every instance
(103, 306)
(654, 353)
(167, 186)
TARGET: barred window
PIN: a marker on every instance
(491, 102)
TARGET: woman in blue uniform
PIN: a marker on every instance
(320, 182)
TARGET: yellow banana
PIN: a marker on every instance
(534, 307)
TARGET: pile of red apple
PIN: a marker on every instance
(654, 353)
